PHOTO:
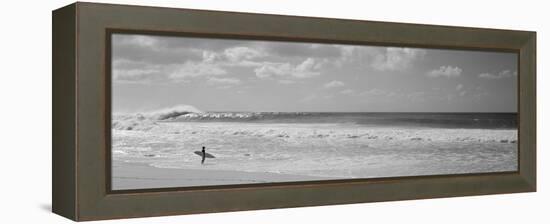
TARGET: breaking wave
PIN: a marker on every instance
(149, 120)
(173, 112)
(248, 116)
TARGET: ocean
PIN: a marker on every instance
(434, 120)
(323, 145)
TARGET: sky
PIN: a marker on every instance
(153, 72)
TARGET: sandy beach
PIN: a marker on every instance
(141, 176)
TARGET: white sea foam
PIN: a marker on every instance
(336, 150)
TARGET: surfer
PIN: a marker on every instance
(203, 154)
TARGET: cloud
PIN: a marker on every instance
(500, 75)
(301, 50)
(334, 84)
(141, 76)
(241, 53)
(235, 56)
(380, 58)
(273, 69)
(175, 43)
(152, 59)
(461, 90)
(378, 92)
(307, 69)
(192, 69)
(445, 71)
(488, 76)
(347, 91)
(360, 55)
(125, 71)
(148, 58)
(141, 72)
(149, 49)
(224, 81)
(136, 40)
(397, 58)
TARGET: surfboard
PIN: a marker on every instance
(208, 155)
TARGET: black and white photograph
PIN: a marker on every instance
(203, 111)
(275, 112)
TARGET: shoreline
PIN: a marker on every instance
(130, 176)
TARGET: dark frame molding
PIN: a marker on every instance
(81, 111)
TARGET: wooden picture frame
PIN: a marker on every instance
(81, 111)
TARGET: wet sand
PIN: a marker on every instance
(142, 176)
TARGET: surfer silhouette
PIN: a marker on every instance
(203, 154)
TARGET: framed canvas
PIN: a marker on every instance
(202, 111)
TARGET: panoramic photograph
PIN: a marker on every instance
(195, 111)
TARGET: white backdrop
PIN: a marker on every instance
(26, 112)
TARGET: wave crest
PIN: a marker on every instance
(173, 112)
(148, 120)
(245, 116)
